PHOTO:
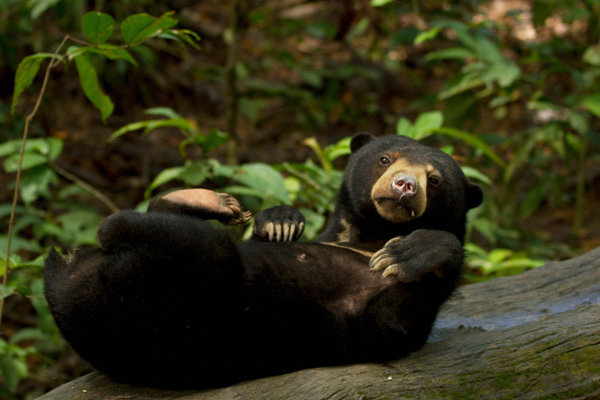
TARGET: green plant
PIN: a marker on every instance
(35, 158)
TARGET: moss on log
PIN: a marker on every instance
(531, 336)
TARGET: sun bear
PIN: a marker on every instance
(169, 301)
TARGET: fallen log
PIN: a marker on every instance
(530, 336)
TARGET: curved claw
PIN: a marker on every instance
(393, 269)
(270, 229)
(278, 232)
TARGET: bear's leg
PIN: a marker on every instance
(201, 203)
(148, 306)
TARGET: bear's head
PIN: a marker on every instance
(395, 181)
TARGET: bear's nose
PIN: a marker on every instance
(405, 185)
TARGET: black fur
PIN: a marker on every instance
(169, 301)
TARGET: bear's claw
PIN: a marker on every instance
(279, 224)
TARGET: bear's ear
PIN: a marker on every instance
(474, 195)
(359, 140)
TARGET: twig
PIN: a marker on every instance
(99, 195)
(18, 178)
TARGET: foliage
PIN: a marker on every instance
(35, 157)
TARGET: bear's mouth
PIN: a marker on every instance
(396, 210)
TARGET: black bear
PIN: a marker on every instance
(169, 301)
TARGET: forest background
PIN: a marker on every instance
(263, 109)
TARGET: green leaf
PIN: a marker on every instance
(110, 51)
(97, 27)
(142, 26)
(404, 127)
(426, 123)
(261, 177)
(534, 198)
(164, 111)
(453, 53)
(30, 160)
(36, 183)
(592, 55)
(427, 35)
(91, 86)
(592, 103)
(26, 72)
(473, 173)
(215, 139)
(165, 176)
(380, 3)
(38, 7)
(182, 35)
(5, 291)
(338, 149)
(579, 122)
(473, 141)
(148, 126)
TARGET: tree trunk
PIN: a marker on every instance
(531, 336)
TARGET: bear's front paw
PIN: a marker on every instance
(423, 251)
(279, 224)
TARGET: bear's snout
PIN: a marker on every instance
(405, 185)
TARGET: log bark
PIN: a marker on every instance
(530, 336)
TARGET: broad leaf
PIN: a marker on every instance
(97, 27)
(142, 26)
(30, 160)
(404, 127)
(26, 72)
(426, 123)
(91, 86)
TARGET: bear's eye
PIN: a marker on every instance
(434, 180)
(384, 161)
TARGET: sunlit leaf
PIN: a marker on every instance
(97, 27)
(91, 86)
